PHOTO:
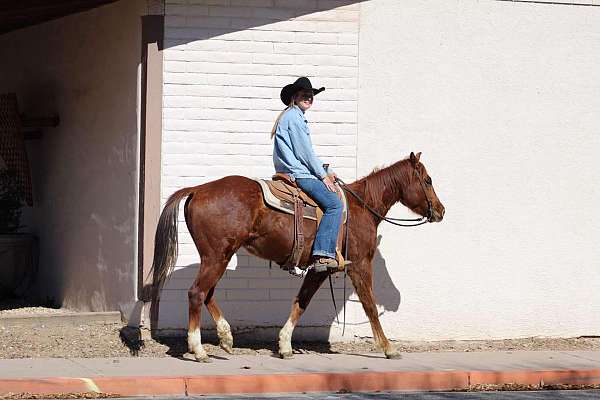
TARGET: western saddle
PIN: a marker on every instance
(282, 193)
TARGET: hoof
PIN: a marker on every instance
(393, 355)
(227, 347)
(203, 358)
(286, 356)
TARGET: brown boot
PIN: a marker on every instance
(325, 263)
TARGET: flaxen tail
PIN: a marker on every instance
(165, 240)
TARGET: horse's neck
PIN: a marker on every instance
(385, 199)
(389, 198)
(387, 186)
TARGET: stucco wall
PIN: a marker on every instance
(502, 99)
(85, 68)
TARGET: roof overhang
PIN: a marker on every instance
(16, 14)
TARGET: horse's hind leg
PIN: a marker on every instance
(201, 292)
(223, 328)
(310, 285)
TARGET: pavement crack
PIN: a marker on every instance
(83, 366)
(566, 353)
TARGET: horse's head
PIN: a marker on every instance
(419, 194)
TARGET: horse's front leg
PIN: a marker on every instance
(310, 285)
(361, 274)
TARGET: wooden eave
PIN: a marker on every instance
(17, 14)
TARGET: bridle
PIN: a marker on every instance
(396, 221)
(429, 215)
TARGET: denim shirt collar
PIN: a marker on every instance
(298, 110)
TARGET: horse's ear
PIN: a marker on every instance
(414, 159)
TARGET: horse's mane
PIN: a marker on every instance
(391, 178)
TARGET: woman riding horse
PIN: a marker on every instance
(293, 155)
(228, 214)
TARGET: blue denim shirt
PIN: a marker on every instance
(293, 152)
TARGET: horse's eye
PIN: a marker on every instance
(428, 180)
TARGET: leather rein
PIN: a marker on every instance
(395, 221)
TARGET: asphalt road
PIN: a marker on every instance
(537, 395)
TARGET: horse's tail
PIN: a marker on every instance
(165, 240)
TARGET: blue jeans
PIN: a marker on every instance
(329, 227)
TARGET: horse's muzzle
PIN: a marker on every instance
(438, 214)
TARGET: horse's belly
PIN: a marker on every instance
(273, 237)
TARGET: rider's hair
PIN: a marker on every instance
(292, 102)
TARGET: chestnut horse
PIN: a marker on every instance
(227, 214)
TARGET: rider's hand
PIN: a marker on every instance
(329, 183)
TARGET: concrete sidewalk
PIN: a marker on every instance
(305, 373)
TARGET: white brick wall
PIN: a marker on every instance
(224, 66)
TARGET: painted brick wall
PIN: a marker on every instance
(224, 65)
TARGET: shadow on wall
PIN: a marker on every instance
(275, 43)
(256, 301)
(198, 22)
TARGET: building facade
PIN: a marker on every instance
(499, 96)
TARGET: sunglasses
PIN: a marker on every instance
(306, 96)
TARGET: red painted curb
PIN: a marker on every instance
(328, 382)
(294, 383)
(142, 385)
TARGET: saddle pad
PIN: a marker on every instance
(288, 207)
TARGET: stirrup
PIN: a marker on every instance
(330, 264)
(297, 272)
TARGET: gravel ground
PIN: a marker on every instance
(16, 307)
(104, 340)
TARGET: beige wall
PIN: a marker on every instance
(502, 99)
(85, 67)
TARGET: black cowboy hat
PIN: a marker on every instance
(302, 83)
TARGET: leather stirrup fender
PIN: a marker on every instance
(298, 247)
